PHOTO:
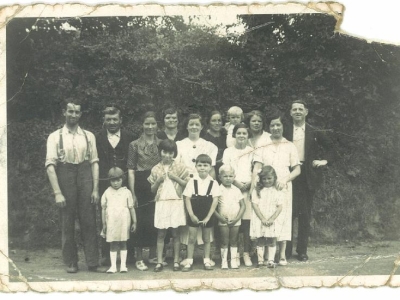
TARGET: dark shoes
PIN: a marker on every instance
(302, 257)
(177, 267)
(72, 268)
(158, 268)
(97, 269)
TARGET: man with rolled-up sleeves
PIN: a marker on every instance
(73, 171)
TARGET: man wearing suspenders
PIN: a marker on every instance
(73, 171)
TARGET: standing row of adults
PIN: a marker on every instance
(72, 164)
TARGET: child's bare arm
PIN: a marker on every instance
(259, 213)
(219, 217)
(133, 217)
(276, 214)
(156, 184)
(211, 211)
(240, 213)
(179, 180)
(103, 217)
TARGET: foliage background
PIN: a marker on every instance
(141, 64)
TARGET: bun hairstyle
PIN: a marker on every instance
(264, 172)
(116, 173)
(149, 114)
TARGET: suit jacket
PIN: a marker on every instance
(103, 148)
(317, 146)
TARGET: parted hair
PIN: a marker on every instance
(264, 172)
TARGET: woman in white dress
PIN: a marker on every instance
(282, 156)
(188, 150)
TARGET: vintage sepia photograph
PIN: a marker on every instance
(196, 147)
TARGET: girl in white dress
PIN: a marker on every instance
(267, 205)
(117, 212)
(283, 157)
(168, 179)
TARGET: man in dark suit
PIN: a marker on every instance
(308, 141)
(112, 146)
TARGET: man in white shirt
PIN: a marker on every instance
(73, 171)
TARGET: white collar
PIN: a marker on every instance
(78, 130)
(117, 134)
(303, 127)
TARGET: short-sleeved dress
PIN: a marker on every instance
(229, 203)
(142, 157)
(268, 202)
(170, 208)
(241, 161)
(281, 156)
(117, 204)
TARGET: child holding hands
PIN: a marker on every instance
(201, 199)
(117, 212)
(168, 179)
(267, 205)
(230, 211)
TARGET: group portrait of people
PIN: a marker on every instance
(234, 182)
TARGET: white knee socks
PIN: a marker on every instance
(123, 254)
(113, 258)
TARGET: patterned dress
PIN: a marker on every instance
(170, 208)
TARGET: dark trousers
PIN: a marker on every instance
(302, 205)
(76, 185)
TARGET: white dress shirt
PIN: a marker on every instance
(298, 140)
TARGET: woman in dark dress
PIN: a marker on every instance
(143, 155)
(171, 122)
(216, 134)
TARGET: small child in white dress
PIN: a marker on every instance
(229, 214)
(267, 205)
(117, 212)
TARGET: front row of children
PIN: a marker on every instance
(193, 200)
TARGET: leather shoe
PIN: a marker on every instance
(95, 269)
(72, 268)
(302, 257)
(158, 268)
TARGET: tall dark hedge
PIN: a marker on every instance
(141, 64)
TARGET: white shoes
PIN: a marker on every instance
(247, 259)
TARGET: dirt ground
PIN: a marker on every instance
(349, 259)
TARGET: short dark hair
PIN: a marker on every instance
(194, 116)
(168, 146)
(111, 109)
(238, 126)
(214, 112)
(299, 102)
(273, 115)
(170, 111)
(71, 100)
(204, 159)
